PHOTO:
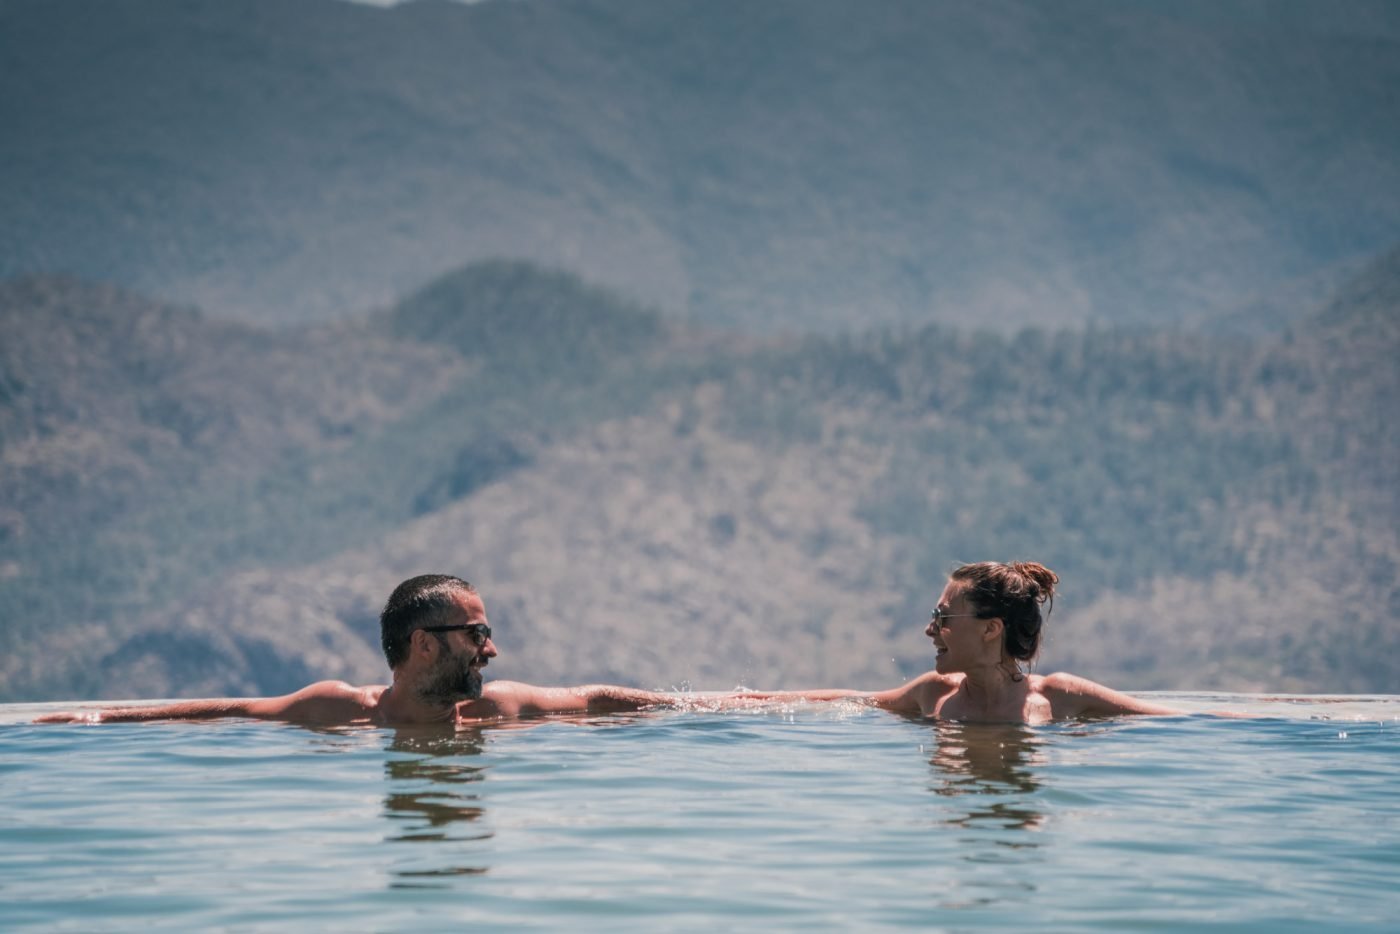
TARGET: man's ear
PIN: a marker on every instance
(422, 643)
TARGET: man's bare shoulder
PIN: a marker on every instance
(366, 694)
(322, 702)
(499, 699)
(506, 690)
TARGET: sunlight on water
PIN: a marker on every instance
(821, 816)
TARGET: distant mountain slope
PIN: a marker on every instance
(784, 164)
(106, 397)
(687, 509)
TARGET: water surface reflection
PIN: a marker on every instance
(990, 772)
(433, 798)
(988, 777)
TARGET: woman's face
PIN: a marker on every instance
(956, 631)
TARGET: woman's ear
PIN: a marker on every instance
(994, 629)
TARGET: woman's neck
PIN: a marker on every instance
(991, 687)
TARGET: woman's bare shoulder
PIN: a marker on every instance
(1060, 682)
(1073, 696)
(941, 681)
(919, 695)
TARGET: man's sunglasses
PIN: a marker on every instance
(477, 632)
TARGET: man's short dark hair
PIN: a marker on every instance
(425, 600)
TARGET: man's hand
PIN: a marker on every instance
(71, 716)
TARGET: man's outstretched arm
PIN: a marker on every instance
(509, 699)
(183, 710)
(322, 702)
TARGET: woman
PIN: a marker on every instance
(986, 624)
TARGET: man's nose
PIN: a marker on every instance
(489, 649)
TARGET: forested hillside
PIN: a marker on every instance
(779, 166)
(192, 507)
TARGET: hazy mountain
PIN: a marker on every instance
(779, 165)
(195, 507)
(102, 391)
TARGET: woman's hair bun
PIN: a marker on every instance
(1041, 579)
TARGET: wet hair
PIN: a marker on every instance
(425, 600)
(1013, 593)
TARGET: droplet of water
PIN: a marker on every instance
(1342, 735)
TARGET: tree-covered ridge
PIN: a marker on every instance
(503, 309)
(612, 479)
(1150, 469)
(107, 397)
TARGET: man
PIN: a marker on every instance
(436, 640)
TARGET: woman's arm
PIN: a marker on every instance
(1073, 696)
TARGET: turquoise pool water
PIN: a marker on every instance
(811, 817)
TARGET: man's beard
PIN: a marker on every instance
(454, 679)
